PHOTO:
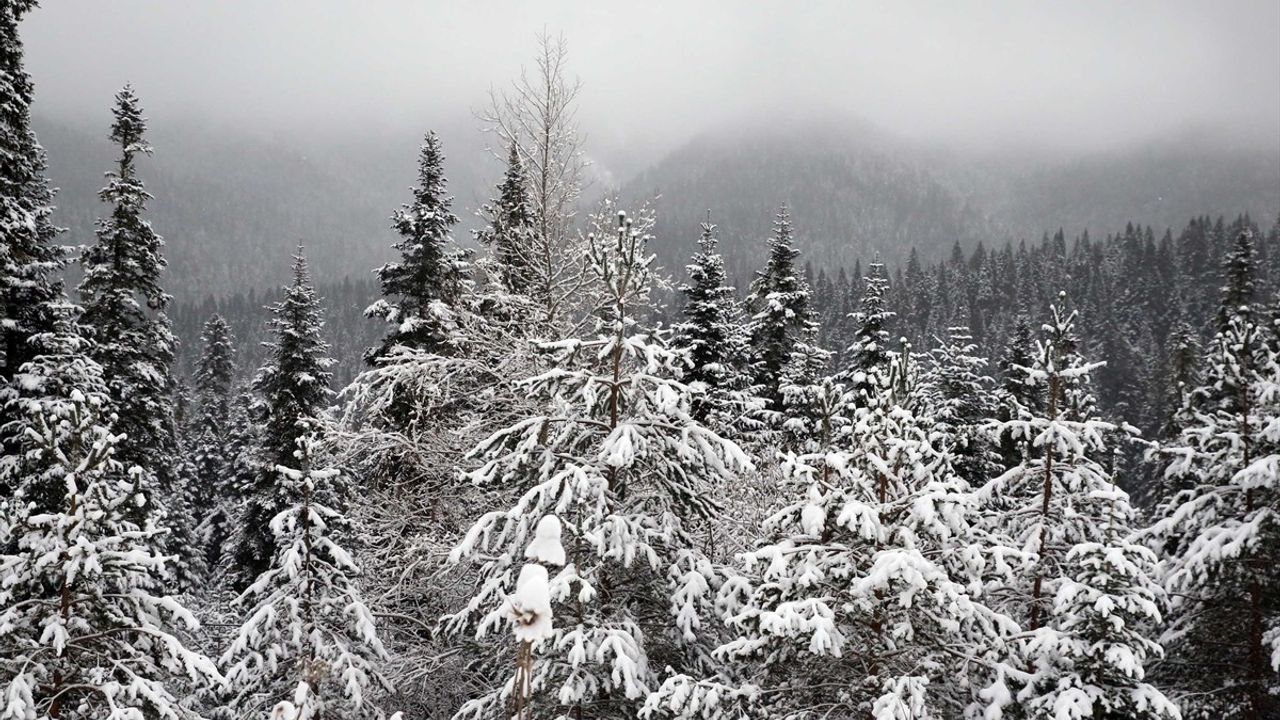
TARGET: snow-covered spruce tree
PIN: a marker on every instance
(1182, 357)
(1017, 393)
(858, 601)
(82, 634)
(210, 433)
(30, 259)
(1220, 535)
(617, 458)
(812, 402)
(958, 395)
(291, 389)
(420, 288)
(223, 518)
(866, 358)
(780, 315)
(715, 337)
(309, 648)
(43, 385)
(124, 309)
(1085, 603)
(510, 227)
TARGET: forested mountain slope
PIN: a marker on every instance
(855, 192)
(233, 206)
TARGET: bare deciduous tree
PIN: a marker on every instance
(538, 116)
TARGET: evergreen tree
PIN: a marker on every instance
(1086, 601)
(81, 633)
(124, 308)
(1239, 269)
(420, 289)
(31, 262)
(510, 229)
(860, 579)
(618, 460)
(1220, 533)
(212, 459)
(714, 335)
(308, 649)
(1182, 354)
(780, 314)
(292, 389)
(867, 357)
(960, 401)
(220, 526)
(42, 387)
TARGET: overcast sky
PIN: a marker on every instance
(1069, 75)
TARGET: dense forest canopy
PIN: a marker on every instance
(856, 441)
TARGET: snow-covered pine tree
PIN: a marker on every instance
(43, 385)
(780, 315)
(239, 446)
(1182, 356)
(958, 395)
(857, 603)
(210, 433)
(510, 228)
(715, 337)
(813, 402)
(1090, 659)
(82, 636)
(1085, 603)
(124, 309)
(1220, 535)
(309, 648)
(291, 389)
(631, 477)
(1016, 392)
(867, 357)
(420, 288)
(31, 261)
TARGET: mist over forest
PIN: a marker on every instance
(657, 361)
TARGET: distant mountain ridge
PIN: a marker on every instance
(860, 194)
(232, 206)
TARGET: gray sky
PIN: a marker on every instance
(1078, 75)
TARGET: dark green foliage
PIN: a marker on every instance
(291, 390)
(866, 364)
(30, 260)
(781, 317)
(712, 331)
(419, 290)
(511, 225)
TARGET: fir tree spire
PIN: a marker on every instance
(212, 459)
(421, 287)
(510, 228)
(867, 359)
(124, 309)
(1239, 270)
(292, 390)
(780, 315)
(712, 330)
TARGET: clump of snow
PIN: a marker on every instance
(546, 547)
(530, 604)
(812, 519)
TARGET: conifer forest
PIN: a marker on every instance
(788, 428)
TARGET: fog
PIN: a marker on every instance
(1073, 77)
